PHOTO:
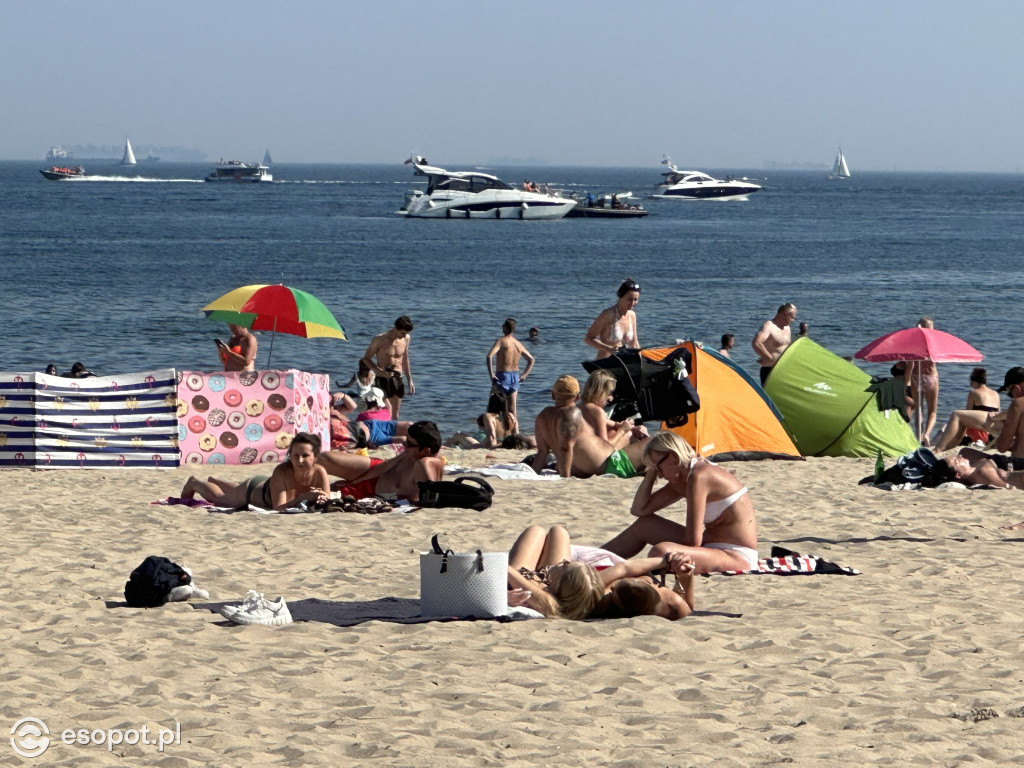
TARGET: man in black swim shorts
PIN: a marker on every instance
(388, 358)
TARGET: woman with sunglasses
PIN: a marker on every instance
(720, 532)
(615, 327)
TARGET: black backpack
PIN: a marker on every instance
(921, 467)
(456, 493)
(151, 583)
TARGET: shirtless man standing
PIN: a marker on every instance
(773, 339)
(239, 353)
(509, 351)
(579, 452)
(396, 478)
(388, 357)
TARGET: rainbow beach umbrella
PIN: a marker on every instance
(275, 308)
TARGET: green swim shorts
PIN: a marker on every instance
(618, 464)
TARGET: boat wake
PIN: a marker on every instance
(141, 179)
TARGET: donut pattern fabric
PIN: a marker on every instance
(244, 417)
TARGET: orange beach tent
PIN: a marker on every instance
(736, 419)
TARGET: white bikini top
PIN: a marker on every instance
(617, 334)
(714, 509)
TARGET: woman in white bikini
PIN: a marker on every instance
(720, 532)
(615, 327)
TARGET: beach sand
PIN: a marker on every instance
(771, 670)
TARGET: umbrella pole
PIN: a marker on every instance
(273, 333)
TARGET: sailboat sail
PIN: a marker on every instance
(129, 156)
(266, 158)
(840, 170)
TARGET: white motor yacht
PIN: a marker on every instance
(475, 195)
(697, 185)
(236, 170)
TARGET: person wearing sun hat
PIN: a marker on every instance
(579, 451)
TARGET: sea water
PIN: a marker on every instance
(114, 269)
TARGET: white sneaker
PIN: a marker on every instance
(256, 609)
(252, 600)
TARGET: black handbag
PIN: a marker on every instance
(465, 492)
(149, 585)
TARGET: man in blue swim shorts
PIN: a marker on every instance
(510, 351)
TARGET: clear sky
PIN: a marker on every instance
(902, 85)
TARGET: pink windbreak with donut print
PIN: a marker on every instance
(248, 417)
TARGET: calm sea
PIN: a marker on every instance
(113, 270)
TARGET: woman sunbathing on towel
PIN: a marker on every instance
(720, 532)
(296, 480)
(549, 575)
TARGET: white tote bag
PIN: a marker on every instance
(463, 584)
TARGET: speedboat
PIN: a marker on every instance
(236, 170)
(475, 195)
(615, 206)
(697, 185)
(57, 172)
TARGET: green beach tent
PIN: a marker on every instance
(829, 408)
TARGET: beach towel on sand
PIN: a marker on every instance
(784, 562)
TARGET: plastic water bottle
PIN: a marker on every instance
(879, 466)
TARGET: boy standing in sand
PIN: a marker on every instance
(509, 351)
(388, 357)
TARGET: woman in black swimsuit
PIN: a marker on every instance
(982, 419)
(294, 481)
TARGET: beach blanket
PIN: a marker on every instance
(784, 562)
(504, 471)
(951, 486)
(396, 610)
(368, 506)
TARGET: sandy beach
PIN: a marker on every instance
(771, 670)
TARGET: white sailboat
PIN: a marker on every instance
(129, 156)
(266, 158)
(840, 169)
